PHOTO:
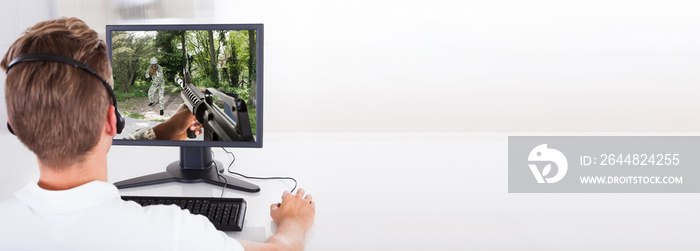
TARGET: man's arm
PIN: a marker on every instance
(294, 216)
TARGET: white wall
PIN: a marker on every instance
(465, 66)
(479, 65)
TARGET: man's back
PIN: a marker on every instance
(93, 217)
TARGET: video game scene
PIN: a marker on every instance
(177, 76)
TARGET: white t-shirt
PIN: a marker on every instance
(93, 217)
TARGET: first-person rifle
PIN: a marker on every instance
(231, 124)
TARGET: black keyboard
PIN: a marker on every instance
(227, 214)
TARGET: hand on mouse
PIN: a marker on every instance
(296, 209)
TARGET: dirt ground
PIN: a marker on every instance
(140, 106)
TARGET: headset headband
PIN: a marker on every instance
(43, 56)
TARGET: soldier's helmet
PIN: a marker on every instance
(154, 60)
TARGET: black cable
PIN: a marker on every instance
(233, 159)
(217, 173)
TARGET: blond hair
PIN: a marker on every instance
(58, 111)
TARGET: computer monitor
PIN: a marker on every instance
(215, 71)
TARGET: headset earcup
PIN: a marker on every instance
(120, 121)
(9, 127)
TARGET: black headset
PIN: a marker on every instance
(32, 57)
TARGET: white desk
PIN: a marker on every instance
(412, 192)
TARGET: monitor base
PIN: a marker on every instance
(183, 171)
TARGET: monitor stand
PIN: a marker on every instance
(195, 165)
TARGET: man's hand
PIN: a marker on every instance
(153, 69)
(298, 210)
(294, 216)
(175, 128)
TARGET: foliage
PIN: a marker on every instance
(172, 89)
(130, 54)
(134, 115)
(138, 89)
(239, 59)
(169, 56)
(252, 115)
(242, 92)
(198, 48)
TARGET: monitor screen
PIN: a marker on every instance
(213, 71)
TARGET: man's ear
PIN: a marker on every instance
(111, 123)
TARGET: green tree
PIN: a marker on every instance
(129, 52)
(231, 70)
(198, 50)
(183, 45)
(207, 57)
(213, 58)
(169, 56)
(252, 64)
(237, 55)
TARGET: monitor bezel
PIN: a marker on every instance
(258, 143)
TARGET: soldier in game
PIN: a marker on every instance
(155, 72)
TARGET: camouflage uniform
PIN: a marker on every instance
(145, 133)
(158, 83)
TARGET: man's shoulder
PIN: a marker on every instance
(13, 212)
(18, 229)
(104, 224)
(10, 204)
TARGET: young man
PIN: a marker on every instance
(66, 116)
